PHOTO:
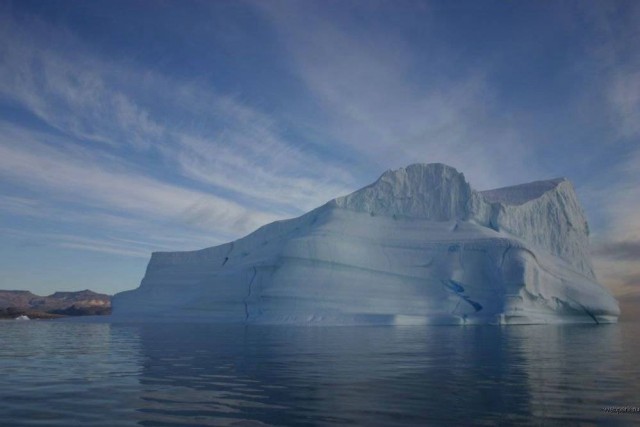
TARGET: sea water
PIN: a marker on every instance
(102, 374)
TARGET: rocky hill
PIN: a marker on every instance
(81, 303)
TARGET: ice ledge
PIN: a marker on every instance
(523, 193)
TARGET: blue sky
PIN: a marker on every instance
(131, 127)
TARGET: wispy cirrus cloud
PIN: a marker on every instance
(112, 246)
(141, 153)
(395, 104)
(624, 99)
(622, 250)
(67, 88)
(617, 52)
(209, 137)
(617, 247)
(75, 175)
(618, 58)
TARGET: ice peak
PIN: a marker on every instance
(431, 191)
(544, 213)
(421, 168)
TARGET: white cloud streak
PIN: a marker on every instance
(94, 182)
(384, 106)
(617, 50)
(230, 145)
(240, 172)
(66, 89)
(624, 99)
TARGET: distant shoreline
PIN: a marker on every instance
(57, 305)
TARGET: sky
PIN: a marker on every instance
(128, 127)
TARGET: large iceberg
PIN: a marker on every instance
(417, 246)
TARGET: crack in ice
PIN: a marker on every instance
(246, 299)
(228, 254)
(458, 290)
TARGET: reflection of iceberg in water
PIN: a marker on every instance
(274, 375)
(198, 375)
(218, 375)
(201, 374)
(574, 371)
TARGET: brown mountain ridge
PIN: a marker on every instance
(58, 304)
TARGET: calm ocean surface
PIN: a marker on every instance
(100, 374)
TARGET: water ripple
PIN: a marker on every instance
(66, 374)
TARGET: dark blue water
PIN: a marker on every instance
(66, 374)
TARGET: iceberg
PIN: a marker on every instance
(418, 246)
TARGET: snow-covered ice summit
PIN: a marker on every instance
(419, 245)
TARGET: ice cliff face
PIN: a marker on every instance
(437, 193)
(544, 213)
(417, 246)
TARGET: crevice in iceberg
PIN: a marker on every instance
(246, 299)
(586, 310)
(228, 254)
(386, 255)
(504, 254)
(476, 305)
(595, 319)
(458, 290)
(453, 286)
